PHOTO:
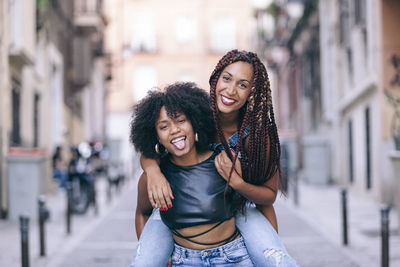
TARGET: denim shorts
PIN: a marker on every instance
(232, 254)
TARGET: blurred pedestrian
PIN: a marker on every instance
(249, 160)
(59, 167)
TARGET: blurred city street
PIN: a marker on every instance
(311, 232)
(71, 73)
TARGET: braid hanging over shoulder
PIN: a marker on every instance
(263, 151)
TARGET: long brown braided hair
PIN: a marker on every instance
(257, 116)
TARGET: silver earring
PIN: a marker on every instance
(196, 137)
(157, 149)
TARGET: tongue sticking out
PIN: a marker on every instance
(180, 144)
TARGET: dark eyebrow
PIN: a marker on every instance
(180, 116)
(228, 73)
(242, 80)
(163, 121)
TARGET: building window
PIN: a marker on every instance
(144, 34)
(344, 22)
(82, 61)
(144, 79)
(359, 12)
(223, 35)
(368, 147)
(36, 116)
(310, 82)
(349, 56)
(16, 110)
(185, 30)
(351, 154)
(365, 41)
(360, 15)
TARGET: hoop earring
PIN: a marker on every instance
(196, 137)
(156, 148)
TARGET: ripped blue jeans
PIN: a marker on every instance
(231, 254)
(262, 241)
(263, 244)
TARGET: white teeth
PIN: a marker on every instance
(227, 100)
(178, 139)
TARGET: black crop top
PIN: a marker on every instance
(199, 195)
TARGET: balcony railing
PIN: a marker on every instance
(88, 15)
(21, 37)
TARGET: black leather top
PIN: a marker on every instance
(199, 195)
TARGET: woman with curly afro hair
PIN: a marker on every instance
(185, 98)
(241, 103)
(177, 123)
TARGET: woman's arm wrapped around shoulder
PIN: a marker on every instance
(143, 208)
(158, 189)
(155, 242)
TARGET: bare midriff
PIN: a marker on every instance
(223, 231)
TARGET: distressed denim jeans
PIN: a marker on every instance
(155, 245)
(262, 241)
(232, 254)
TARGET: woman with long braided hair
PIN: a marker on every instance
(248, 142)
(242, 105)
(255, 115)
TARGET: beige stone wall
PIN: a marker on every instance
(29, 26)
(25, 43)
(26, 106)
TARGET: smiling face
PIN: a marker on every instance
(233, 87)
(175, 134)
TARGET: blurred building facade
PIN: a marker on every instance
(276, 23)
(17, 82)
(154, 43)
(52, 80)
(336, 66)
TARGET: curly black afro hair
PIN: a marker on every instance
(183, 97)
